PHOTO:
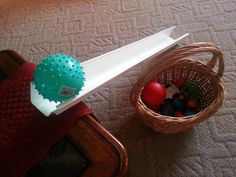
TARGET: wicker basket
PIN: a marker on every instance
(178, 64)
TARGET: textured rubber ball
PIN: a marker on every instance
(59, 77)
(153, 94)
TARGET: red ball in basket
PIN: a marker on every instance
(153, 94)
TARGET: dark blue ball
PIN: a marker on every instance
(190, 112)
(167, 109)
(178, 104)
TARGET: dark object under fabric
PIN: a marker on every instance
(2, 77)
(62, 160)
(26, 134)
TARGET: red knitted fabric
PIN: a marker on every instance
(25, 133)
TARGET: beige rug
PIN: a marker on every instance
(88, 28)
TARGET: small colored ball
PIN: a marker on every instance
(190, 112)
(193, 90)
(192, 103)
(178, 104)
(153, 94)
(179, 83)
(167, 109)
(181, 97)
(179, 114)
(171, 90)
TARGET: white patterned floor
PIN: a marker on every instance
(88, 28)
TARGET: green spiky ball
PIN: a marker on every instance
(59, 77)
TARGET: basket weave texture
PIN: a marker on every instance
(179, 64)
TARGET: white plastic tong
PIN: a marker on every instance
(101, 69)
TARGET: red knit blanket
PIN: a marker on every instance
(26, 134)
